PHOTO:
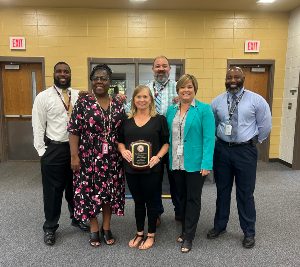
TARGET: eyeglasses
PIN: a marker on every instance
(101, 79)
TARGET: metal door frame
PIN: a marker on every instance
(3, 128)
(271, 64)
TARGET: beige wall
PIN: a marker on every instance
(206, 39)
(288, 120)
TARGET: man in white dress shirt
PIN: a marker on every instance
(50, 115)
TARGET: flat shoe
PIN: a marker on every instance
(186, 246)
(94, 239)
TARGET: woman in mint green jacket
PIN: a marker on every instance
(192, 139)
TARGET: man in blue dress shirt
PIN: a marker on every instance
(243, 118)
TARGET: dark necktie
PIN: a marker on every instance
(234, 120)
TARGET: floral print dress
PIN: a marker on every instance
(100, 179)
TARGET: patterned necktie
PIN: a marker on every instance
(234, 119)
(66, 100)
(158, 94)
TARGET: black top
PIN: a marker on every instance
(154, 131)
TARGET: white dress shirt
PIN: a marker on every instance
(50, 116)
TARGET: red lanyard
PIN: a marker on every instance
(62, 100)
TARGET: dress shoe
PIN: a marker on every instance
(248, 242)
(49, 238)
(213, 233)
(82, 226)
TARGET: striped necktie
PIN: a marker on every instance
(158, 96)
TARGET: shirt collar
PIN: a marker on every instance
(237, 94)
(162, 84)
(192, 104)
(60, 90)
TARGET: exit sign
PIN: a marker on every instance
(17, 43)
(252, 46)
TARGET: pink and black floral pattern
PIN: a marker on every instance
(100, 179)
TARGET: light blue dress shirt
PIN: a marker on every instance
(254, 116)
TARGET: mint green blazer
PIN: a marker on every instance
(199, 136)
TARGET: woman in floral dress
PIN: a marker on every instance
(98, 176)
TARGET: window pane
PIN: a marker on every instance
(123, 78)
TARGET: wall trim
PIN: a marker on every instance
(281, 161)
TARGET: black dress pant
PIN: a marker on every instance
(57, 177)
(143, 188)
(189, 185)
(239, 163)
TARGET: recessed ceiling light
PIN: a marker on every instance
(265, 1)
(138, 0)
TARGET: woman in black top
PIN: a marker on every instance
(144, 124)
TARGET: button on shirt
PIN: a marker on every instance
(49, 115)
(254, 116)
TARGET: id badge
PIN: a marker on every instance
(228, 129)
(104, 148)
(180, 150)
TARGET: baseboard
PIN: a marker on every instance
(281, 161)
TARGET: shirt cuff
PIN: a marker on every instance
(41, 151)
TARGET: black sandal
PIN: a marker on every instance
(94, 239)
(147, 237)
(107, 235)
(138, 243)
(186, 246)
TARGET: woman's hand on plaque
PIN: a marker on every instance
(126, 154)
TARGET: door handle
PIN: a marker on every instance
(25, 116)
(12, 116)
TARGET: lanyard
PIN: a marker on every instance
(234, 104)
(181, 122)
(162, 87)
(62, 100)
(107, 128)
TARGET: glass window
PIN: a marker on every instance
(128, 73)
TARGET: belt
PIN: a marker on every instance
(58, 142)
(235, 143)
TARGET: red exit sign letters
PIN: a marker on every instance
(17, 43)
(252, 46)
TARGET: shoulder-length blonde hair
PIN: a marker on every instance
(133, 110)
(184, 79)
